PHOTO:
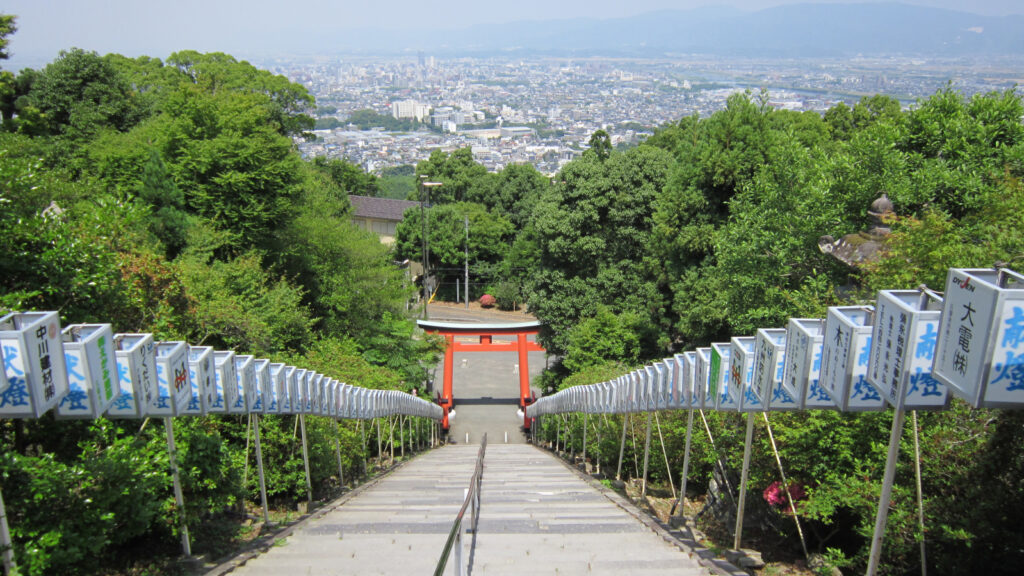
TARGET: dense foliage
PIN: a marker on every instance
(168, 197)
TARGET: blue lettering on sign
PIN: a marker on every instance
(780, 395)
(864, 391)
(193, 403)
(865, 353)
(779, 371)
(72, 362)
(122, 373)
(817, 359)
(124, 402)
(16, 393)
(751, 398)
(926, 345)
(1014, 334)
(818, 393)
(1012, 370)
(219, 403)
(162, 402)
(10, 353)
(75, 400)
(922, 381)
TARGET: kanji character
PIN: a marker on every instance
(926, 344)
(1011, 370)
(1014, 334)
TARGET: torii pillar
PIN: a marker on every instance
(486, 332)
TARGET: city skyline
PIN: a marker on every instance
(263, 26)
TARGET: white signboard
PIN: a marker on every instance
(264, 385)
(225, 378)
(741, 373)
(36, 376)
(903, 346)
(173, 388)
(769, 369)
(844, 363)
(277, 388)
(201, 368)
(92, 371)
(804, 349)
(135, 355)
(980, 348)
(720, 388)
(705, 396)
(688, 375)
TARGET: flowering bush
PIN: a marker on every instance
(487, 300)
(775, 495)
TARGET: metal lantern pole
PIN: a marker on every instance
(647, 455)
(259, 467)
(887, 481)
(467, 262)
(743, 481)
(585, 415)
(179, 498)
(686, 464)
(5, 540)
(337, 449)
(305, 457)
(622, 446)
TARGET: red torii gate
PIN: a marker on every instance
(486, 332)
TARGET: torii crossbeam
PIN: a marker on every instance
(485, 333)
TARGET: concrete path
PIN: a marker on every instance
(537, 517)
(398, 526)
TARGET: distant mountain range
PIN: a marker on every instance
(794, 30)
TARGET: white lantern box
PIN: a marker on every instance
(903, 347)
(804, 348)
(317, 393)
(769, 369)
(173, 389)
(844, 362)
(136, 372)
(91, 369)
(201, 369)
(290, 390)
(242, 395)
(331, 398)
(720, 388)
(980, 348)
(688, 379)
(226, 379)
(705, 396)
(677, 398)
(300, 399)
(262, 386)
(659, 375)
(741, 373)
(36, 377)
(277, 387)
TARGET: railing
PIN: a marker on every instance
(472, 497)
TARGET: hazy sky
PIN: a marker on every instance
(134, 27)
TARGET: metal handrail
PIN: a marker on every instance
(472, 497)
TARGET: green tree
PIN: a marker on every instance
(593, 232)
(168, 220)
(457, 172)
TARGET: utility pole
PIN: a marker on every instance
(424, 243)
(467, 263)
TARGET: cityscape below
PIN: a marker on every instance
(543, 110)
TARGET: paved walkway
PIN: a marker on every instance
(537, 517)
